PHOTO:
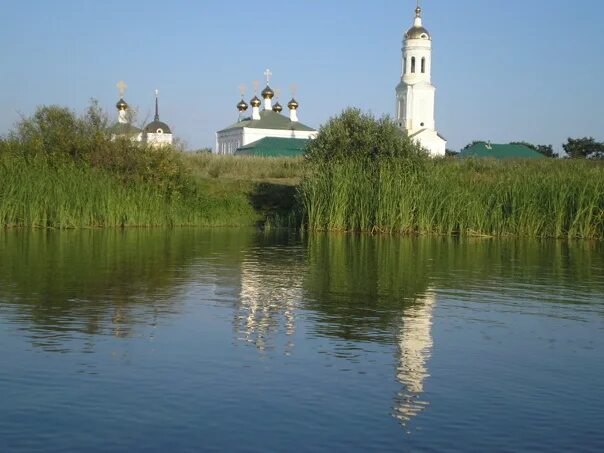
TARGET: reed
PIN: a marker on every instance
(37, 194)
(545, 198)
(250, 168)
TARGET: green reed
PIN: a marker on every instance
(37, 193)
(545, 198)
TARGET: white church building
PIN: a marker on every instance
(265, 121)
(415, 93)
(155, 134)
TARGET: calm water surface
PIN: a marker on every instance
(203, 340)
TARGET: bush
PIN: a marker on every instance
(360, 136)
(59, 136)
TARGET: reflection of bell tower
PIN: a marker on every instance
(415, 348)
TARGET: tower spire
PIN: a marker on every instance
(418, 15)
(156, 105)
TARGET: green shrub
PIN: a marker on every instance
(359, 136)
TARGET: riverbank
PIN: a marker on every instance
(62, 171)
(548, 198)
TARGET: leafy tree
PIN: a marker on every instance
(451, 153)
(357, 135)
(58, 135)
(586, 147)
(474, 142)
(546, 150)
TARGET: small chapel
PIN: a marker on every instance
(155, 134)
(415, 93)
(267, 132)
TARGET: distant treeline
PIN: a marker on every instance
(575, 148)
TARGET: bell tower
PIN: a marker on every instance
(415, 93)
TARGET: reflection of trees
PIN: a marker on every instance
(106, 281)
(375, 289)
(358, 285)
(383, 289)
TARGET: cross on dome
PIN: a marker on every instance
(268, 74)
(121, 86)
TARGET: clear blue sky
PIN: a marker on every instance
(504, 69)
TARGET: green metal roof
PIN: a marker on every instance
(275, 147)
(270, 120)
(124, 129)
(501, 152)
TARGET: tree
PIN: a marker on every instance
(546, 150)
(357, 135)
(582, 148)
(474, 142)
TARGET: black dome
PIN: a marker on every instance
(155, 126)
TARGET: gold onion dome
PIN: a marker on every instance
(418, 31)
(242, 106)
(121, 105)
(268, 93)
(293, 104)
(277, 108)
(255, 102)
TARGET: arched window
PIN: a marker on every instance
(423, 65)
(413, 65)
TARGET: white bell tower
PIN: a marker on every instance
(415, 93)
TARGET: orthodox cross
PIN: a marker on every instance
(121, 85)
(242, 89)
(268, 75)
(294, 89)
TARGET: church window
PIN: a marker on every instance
(423, 65)
(413, 65)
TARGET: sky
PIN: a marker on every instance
(505, 70)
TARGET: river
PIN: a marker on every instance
(240, 340)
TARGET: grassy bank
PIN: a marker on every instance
(37, 194)
(58, 170)
(546, 198)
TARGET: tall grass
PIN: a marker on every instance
(35, 193)
(250, 168)
(545, 198)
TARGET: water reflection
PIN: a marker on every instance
(66, 285)
(271, 292)
(415, 349)
(350, 294)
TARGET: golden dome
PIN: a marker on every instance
(268, 93)
(277, 108)
(418, 33)
(242, 106)
(255, 102)
(121, 105)
(293, 104)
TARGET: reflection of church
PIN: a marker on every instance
(271, 291)
(415, 349)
